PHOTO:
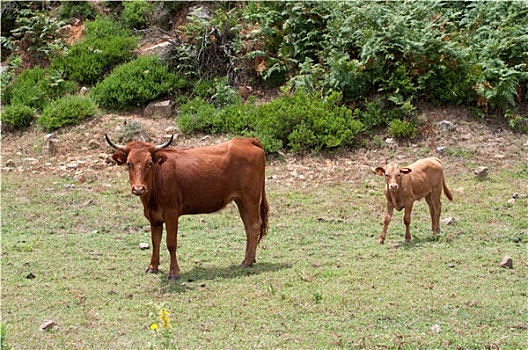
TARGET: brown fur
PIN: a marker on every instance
(404, 186)
(175, 182)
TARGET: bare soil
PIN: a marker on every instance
(83, 155)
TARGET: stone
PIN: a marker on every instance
(441, 149)
(93, 144)
(50, 145)
(449, 221)
(507, 262)
(511, 202)
(84, 91)
(481, 172)
(143, 246)
(10, 163)
(160, 109)
(47, 325)
(446, 125)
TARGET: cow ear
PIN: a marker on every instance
(380, 171)
(120, 157)
(159, 158)
(405, 170)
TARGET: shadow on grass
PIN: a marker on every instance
(418, 241)
(198, 276)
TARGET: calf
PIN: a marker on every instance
(422, 179)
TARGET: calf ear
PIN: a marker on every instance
(380, 171)
(405, 170)
(159, 158)
(120, 157)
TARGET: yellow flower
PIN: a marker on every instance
(154, 326)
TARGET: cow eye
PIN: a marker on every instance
(128, 165)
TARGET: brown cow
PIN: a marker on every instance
(174, 182)
(422, 179)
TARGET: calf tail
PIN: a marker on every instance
(264, 213)
(447, 191)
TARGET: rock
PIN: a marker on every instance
(10, 163)
(436, 328)
(171, 130)
(507, 262)
(50, 145)
(511, 202)
(446, 125)
(93, 144)
(481, 172)
(161, 109)
(161, 49)
(84, 91)
(441, 149)
(143, 246)
(390, 141)
(449, 221)
(450, 265)
(525, 144)
(46, 325)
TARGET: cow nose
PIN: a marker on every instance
(138, 190)
(393, 187)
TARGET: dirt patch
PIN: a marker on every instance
(83, 155)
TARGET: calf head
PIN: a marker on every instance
(140, 158)
(393, 175)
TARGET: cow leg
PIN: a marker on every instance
(386, 222)
(250, 215)
(438, 211)
(156, 232)
(171, 227)
(432, 211)
(407, 222)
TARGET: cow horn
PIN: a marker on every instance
(117, 147)
(165, 145)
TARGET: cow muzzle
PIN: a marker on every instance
(139, 190)
(393, 187)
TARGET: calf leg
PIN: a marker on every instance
(172, 245)
(386, 222)
(156, 232)
(432, 211)
(407, 222)
(250, 215)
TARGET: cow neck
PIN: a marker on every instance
(394, 198)
(151, 198)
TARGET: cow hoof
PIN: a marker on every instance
(149, 270)
(173, 277)
(380, 241)
(245, 266)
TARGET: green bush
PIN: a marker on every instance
(37, 87)
(105, 46)
(68, 110)
(136, 13)
(76, 9)
(300, 122)
(17, 116)
(136, 83)
(401, 129)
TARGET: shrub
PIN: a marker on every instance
(401, 129)
(136, 13)
(76, 9)
(300, 121)
(37, 87)
(17, 116)
(104, 46)
(136, 83)
(68, 110)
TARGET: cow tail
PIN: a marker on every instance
(447, 191)
(264, 213)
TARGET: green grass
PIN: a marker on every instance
(321, 280)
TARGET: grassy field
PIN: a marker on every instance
(70, 254)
